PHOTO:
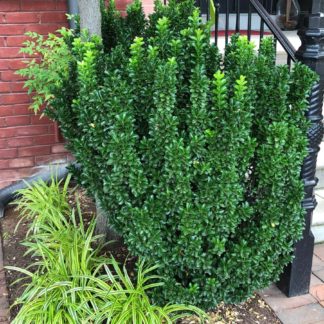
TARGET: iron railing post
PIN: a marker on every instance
(296, 277)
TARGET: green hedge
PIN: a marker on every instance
(195, 158)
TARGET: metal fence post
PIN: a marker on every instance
(296, 277)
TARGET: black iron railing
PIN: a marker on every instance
(234, 10)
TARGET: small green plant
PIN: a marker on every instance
(42, 204)
(126, 301)
(70, 281)
(65, 254)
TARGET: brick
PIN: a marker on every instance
(21, 17)
(43, 29)
(46, 159)
(17, 64)
(38, 120)
(18, 86)
(21, 162)
(13, 110)
(6, 110)
(10, 175)
(18, 41)
(4, 65)
(13, 64)
(20, 141)
(12, 5)
(23, 131)
(45, 139)
(5, 87)
(13, 29)
(53, 17)
(10, 52)
(11, 76)
(4, 164)
(53, 129)
(61, 5)
(21, 109)
(2, 42)
(14, 98)
(38, 5)
(8, 153)
(34, 151)
(3, 144)
(2, 122)
(59, 148)
(32, 130)
(7, 132)
(17, 120)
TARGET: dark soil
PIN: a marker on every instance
(253, 311)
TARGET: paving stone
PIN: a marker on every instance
(318, 264)
(317, 292)
(319, 274)
(270, 291)
(319, 251)
(315, 281)
(283, 302)
(307, 314)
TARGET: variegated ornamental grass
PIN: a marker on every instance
(70, 282)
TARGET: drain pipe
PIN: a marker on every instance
(9, 193)
(73, 9)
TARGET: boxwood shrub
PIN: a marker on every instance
(195, 157)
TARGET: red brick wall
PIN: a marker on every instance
(26, 141)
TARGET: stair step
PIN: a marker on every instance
(320, 167)
(318, 217)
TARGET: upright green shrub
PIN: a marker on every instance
(196, 159)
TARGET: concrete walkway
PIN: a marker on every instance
(306, 309)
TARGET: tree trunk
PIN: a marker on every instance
(90, 19)
(90, 16)
(104, 228)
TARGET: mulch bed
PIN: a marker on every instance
(253, 311)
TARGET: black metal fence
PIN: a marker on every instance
(233, 10)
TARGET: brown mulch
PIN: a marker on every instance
(253, 311)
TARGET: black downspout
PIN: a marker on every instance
(46, 174)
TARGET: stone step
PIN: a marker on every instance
(320, 167)
(318, 216)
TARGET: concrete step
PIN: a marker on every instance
(320, 167)
(318, 215)
(291, 35)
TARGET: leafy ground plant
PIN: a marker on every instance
(126, 301)
(70, 282)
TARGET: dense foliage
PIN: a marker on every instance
(69, 281)
(195, 158)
